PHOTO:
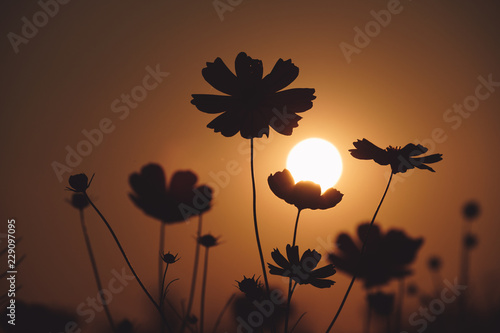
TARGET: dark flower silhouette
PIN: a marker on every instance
(471, 210)
(175, 203)
(169, 258)
(253, 103)
(208, 241)
(252, 288)
(79, 201)
(302, 270)
(435, 263)
(386, 256)
(400, 159)
(381, 303)
(304, 194)
(79, 183)
(470, 241)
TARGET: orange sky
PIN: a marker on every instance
(396, 89)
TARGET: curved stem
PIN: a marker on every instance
(203, 290)
(254, 199)
(128, 263)
(195, 273)
(96, 272)
(360, 257)
(160, 267)
(287, 312)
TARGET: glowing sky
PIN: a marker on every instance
(393, 72)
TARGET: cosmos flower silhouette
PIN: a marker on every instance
(387, 256)
(304, 194)
(252, 288)
(175, 203)
(253, 103)
(79, 201)
(79, 183)
(302, 270)
(400, 159)
(208, 240)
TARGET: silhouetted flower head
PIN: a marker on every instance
(173, 203)
(79, 201)
(381, 303)
(169, 258)
(79, 183)
(470, 241)
(435, 263)
(302, 270)
(208, 240)
(304, 194)
(400, 159)
(412, 289)
(386, 256)
(251, 287)
(471, 210)
(253, 103)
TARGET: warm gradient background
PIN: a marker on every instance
(394, 92)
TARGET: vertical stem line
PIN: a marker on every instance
(203, 290)
(160, 267)
(287, 313)
(128, 262)
(359, 260)
(96, 272)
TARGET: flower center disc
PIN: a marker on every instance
(316, 160)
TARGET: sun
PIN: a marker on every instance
(316, 160)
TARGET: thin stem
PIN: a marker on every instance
(287, 311)
(298, 321)
(203, 290)
(96, 272)
(400, 303)
(162, 289)
(221, 314)
(195, 273)
(360, 257)
(254, 199)
(160, 267)
(128, 262)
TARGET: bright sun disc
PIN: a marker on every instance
(316, 160)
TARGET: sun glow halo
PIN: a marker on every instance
(316, 160)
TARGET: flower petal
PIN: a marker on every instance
(214, 103)
(310, 260)
(281, 183)
(295, 100)
(324, 272)
(365, 150)
(248, 71)
(220, 77)
(283, 73)
(275, 270)
(254, 125)
(150, 181)
(330, 198)
(182, 185)
(279, 259)
(284, 122)
(292, 253)
(228, 123)
(306, 194)
(320, 283)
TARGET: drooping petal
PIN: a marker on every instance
(281, 183)
(220, 77)
(248, 70)
(283, 73)
(182, 185)
(330, 198)
(214, 103)
(228, 124)
(305, 194)
(279, 259)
